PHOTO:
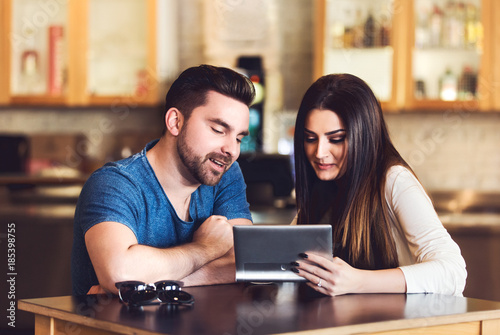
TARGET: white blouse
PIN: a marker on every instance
(430, 260)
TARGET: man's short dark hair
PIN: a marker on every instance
(190, 89)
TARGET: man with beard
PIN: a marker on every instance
(167, 212)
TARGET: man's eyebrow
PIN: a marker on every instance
(328, 133)
(227, 126)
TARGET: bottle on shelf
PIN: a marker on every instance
(467, 85)
(338, 31)
(348, 40)
(436, 25)
(362, 30)
(448, 86)
(29, 79)
(420, 92)
(385, 32)
(56, 60)
(358, 31)
(459, 40)
(369, 33)
(29, 63)
(453, 25)
(473, 27)
(422, 30)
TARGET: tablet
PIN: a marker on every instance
(264, 252)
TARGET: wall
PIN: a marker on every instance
(91, 136)
(277, 30)
(450, 150)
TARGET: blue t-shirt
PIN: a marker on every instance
(128, 192)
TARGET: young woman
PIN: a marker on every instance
(387, 235)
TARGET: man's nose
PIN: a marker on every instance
(231, 147)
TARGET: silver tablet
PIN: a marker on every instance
(264, 252)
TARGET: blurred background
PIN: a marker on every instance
(83, 83)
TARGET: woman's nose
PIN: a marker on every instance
(321, 149)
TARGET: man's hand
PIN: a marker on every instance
(215, 236)
(220, 270)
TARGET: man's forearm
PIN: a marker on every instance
(150, 264)
(219, 271)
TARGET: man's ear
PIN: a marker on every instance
(174, 121)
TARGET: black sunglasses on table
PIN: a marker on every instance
(137, 293)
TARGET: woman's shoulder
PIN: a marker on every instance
(400, 178)
(399, 171)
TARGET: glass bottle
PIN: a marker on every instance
(422, 30)
(357, 31)
(448, 86)
(436, 24)
(453, 26)
(56, 60)
(30, 66)
(369, 32)
(385, 32)
(471, 26)
(467, 85)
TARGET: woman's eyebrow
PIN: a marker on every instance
(335, 132)
(328, 133)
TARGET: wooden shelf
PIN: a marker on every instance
(403, 45)
(76, 36)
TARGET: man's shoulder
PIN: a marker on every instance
(127, 167)
(134, 165)
(126, 175)
(128, 164)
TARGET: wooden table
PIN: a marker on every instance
(268, 309)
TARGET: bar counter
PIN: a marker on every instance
(268, 309)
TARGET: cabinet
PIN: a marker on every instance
(78, 52)
(415, 54)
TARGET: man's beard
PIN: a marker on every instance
(195, 164)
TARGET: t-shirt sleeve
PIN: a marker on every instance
(230, 199)
(439, 266)
(108, 195)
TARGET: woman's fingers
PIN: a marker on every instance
(312, 268)
(311, 272)
(321, 273)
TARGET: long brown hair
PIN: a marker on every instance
(354, 204)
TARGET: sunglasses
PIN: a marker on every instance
(137, 293)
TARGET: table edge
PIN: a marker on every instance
(29, 305)
(51, 312)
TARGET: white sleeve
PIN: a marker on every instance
(438, 264)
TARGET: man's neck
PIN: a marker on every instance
(170, 171)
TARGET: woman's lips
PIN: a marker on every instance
(323, 166)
